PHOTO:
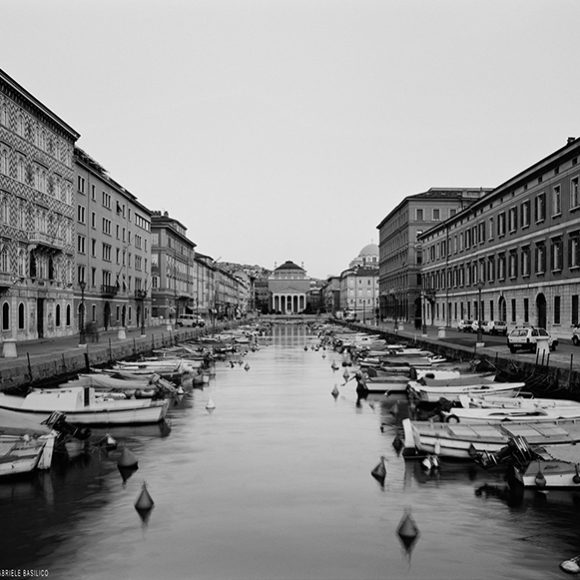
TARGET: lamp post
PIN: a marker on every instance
(82, 337)
(140, 296)
(423, 315)
(479, 329)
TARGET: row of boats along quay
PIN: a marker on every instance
(263, 450)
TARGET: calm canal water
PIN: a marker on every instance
(275, 484)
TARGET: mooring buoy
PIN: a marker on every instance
(335, 392)
(128, 459)
(380, 471)
(408, 531)
(210, 405)
(144, 503)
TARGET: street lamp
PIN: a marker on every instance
(82, 337)
(140, 296)
(423, 315)
(479, 329)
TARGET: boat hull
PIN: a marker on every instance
(464, 441)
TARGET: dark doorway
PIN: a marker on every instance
(40, 317)
(541, 311)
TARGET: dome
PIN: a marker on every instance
(370, 250)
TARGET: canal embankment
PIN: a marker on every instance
(555, 373)
(48, 361)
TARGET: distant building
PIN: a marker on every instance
(367, 257)
(37, 216)
(172, 254)
(400, 255)
(359, 292)
(331, 294)
(289, 286)
(113, 240)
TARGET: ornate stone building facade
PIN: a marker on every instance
(37, 218)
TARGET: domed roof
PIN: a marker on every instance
(369, 250)
(289, 265)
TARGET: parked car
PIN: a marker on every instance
(526, 337)
(475, 325)
(464, 325)
(190, 320)
(495, 327)
(576, 335)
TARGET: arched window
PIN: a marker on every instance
(21, 316)
(32, 265)
(5, 316)
(68, 314)
(57, 316)
(94, 313)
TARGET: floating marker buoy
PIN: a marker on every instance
(426, 463)
(128, 459)
(334, 366)
(323, 355)
(144, 503)
(408, 531)
(434, 462)
(571, 566)
(335, 392)
(210, 405)
(398, 444)
(345, 374)
(380, 471)
(305, 347)
(246, 367)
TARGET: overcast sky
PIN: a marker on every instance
(282, 130)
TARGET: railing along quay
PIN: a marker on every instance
(49, 361)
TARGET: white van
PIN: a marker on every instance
(190, 320)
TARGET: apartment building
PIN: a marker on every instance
(400, 256)
(513, 255)
(37, 210)
(359, 292)
(174, 286)
(113, 249)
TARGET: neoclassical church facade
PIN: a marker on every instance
(288, 286)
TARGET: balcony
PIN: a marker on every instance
(140, 294)
(42, 239)
(108, 291)
(6, 280)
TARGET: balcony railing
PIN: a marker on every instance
(6, 280)
(44, 239)
(109, 291)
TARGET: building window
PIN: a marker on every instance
(5, 316)
(21, 316)
(540, 207)
(436, 214)
(419, 215)
(501, 267)
(491, 268)
(513, 309)
(525, 214)
(556, 254)
(540, 258)
(574, 319)
(81, 244)
(81, 214)
(556, 310)
(513, 263)
(513, 219)
(490, 229)
(501, 224)
(574, 193)
(525, 261)
(556, 201)
(526, 310)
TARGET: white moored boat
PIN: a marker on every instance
(445, 390)
(464, 441)
(81, 405)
